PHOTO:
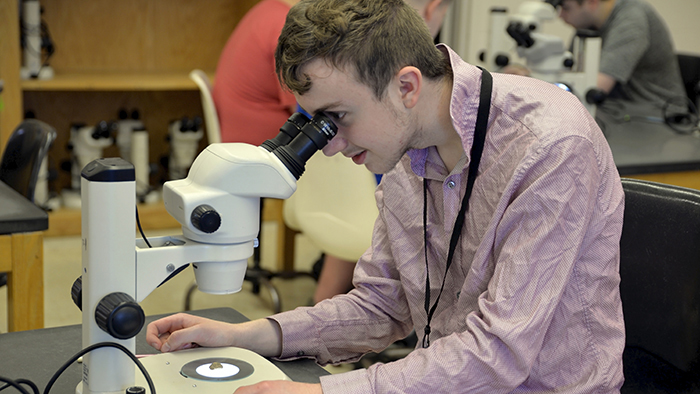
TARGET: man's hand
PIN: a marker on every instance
(280, 387)
(183, 331)
(605, 82)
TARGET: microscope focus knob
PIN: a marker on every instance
(119, 315)
(502, 60)
(205, 218)
(595, 96)
(76, 292)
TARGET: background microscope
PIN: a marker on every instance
(86, 144)
(133, 143)
(37, 46)
(545, 55)
(184, 136)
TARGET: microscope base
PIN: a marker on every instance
(45, 72)
(182, 371)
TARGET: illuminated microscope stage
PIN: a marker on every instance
(207, 370)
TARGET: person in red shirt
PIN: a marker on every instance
(249, 99)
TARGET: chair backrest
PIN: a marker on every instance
(660, 287)
(211, 117)
(25, 150)
(334, 206)
(690, 73)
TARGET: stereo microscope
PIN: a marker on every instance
(218, 206)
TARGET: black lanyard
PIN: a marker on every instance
(482, 118)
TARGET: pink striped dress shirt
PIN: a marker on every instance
(531, 302)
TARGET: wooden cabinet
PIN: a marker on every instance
(132, 54)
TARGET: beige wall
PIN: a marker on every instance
(682, 17)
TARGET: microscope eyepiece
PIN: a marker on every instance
(290, 129)
(314, 136)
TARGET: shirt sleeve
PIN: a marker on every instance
(369, 318)
(625, 42)
(537, 242)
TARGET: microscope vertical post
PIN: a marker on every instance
(499, 43)
(108, 228)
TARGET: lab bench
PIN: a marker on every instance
(654, 152)
(37, 354)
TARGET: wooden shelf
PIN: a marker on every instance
(113, 81)
(65, 222)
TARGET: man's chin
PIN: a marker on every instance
(379, 168)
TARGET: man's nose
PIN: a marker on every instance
(335, 145)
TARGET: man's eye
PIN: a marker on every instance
(335, 115)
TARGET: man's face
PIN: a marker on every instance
(577, 15)
(373, 133)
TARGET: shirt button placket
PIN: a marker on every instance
(450, 203)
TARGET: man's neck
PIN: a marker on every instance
(447, 140)
(433, 123)
(451, 153)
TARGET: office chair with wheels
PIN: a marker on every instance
(660, 288)
(690, 73)
(334, 206)
(21, 160)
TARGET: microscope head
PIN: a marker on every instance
(219, 200)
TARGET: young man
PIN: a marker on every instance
(638, 64)
(336, 276)
(520, 296)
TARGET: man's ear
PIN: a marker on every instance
(410, 82)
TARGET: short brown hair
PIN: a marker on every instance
(377, 37)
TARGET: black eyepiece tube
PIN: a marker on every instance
(521, 34)
(288, 131)
(313, 137)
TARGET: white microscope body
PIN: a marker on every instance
(546, 56)
(87, 144)
(184, 135)
(133, 142)
(218, 207)
(32, 52)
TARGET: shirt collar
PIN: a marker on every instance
(426, 162)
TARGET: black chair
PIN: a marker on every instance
(690, 73)
(660, 288)
(21, 160)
